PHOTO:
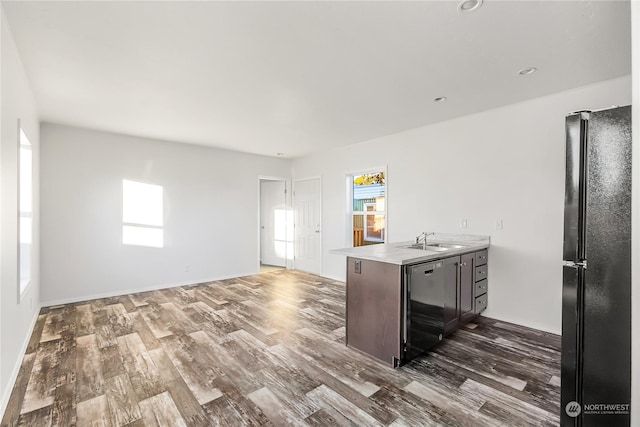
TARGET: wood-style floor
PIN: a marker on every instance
(268, 350)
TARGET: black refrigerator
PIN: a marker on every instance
(596, 292)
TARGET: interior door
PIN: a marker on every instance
(273, 223)
(308, 235)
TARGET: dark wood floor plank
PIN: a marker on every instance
(407, 407)
(12, 411)
(328, 417)
(245, 379)
(188, 406)
(139, 300)
(112, 363)
(278, 413)
(234, 405)
(329, 400)
(85, 323)
(161, 411)
(519, 411)
(52, 328)
(64, 406)
(199, 377)
(333, 361)
(123, 404)
(41, 387)
(105, 335)
(463, 411)
(119, 319)
(141, 327)
(168, 371)
(293, 398)
(127, 303)
(67, 359)
(268, 350)
(39, 418)
(94, 412)
(142, 369)
(340, 387)
(89, 379)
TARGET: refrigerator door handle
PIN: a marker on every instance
(581, 264)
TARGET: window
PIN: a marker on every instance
(142, 214)
(25, 203)
(369, 208)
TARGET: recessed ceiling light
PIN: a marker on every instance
(469, 5)
(440, 99)
(526, 71)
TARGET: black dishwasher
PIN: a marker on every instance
(426, 304)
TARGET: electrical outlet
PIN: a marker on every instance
(463, 223)
(499, 224)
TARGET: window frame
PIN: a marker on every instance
(374, 213)
(350, 212)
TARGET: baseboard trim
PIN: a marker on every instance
(337, 279)
(520, 323)
(143, 289)
(16, 369)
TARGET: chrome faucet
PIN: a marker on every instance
(423, 238)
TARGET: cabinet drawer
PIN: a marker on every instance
(481, 273)
(481, 257)
(481, 303)
(481, 288)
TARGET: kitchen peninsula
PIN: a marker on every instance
(403, 298)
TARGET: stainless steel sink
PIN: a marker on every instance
(446, 245)
(436, 247)
(428, 248)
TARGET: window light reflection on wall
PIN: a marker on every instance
(283, 233)
(25, 195)
(142, 214)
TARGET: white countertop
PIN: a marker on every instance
(399, 253)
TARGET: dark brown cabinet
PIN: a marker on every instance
(452, 289)
(395, 312)
(481, 285)
(467, 298)
(374, 308)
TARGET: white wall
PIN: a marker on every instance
(506, 163)
(16, 319)
(210, 208)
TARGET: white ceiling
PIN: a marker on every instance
(298, 77)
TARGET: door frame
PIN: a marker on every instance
(293, 194)
(289, 207)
